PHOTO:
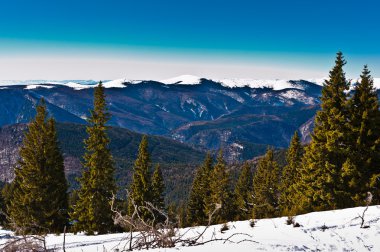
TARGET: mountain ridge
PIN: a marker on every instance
(275, 84)
(227, 114)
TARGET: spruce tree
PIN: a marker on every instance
(38, 199)
(200, 192)
(92, 210)
(265, 187)
(158, 188)
(157, 194)
(220, 192)
(320, 186)
(139, 193)
(360, 169)
(243, 193)
(290, 174)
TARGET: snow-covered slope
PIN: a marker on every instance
(75, 84)
(275, 84)
(319, 231)
(183, 79)
(252, 83)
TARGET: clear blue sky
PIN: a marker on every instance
(156, 39)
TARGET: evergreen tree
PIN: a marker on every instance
(265, 187)
(157, 191)
(38, 199)
(158, 188)
(320, 186)
(6, 195)
(200, 191)
(220, 193)
(92, 210)
(363, 163)
(290, 175)
(140, 192)
(243, 193)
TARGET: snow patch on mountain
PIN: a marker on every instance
(320, 81)
(183, 79)
(275, 84)
(253, 83)
(38, 86)
(298, 95)
(78, 86)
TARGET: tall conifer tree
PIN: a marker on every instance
(265, 187)
(92, 211)
(243, 193)
(320, 185)
(200, 191)
(157, 194)
(140, 192)
(38, 202)
(290, 175)
(361, 168)
(158, 188)
(220, 192)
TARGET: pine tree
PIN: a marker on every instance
(200, 191)
(38, 199)
(92, 211)
(158, 188)
(290, 175)
(265, 187)
(220, 193)
(243, 193)
(362, 166)
(320, 186)
(157, 193)
(141, 181)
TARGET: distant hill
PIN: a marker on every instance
(178, 161)
(200, 112)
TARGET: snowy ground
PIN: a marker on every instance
(320, 231)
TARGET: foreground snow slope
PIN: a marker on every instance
(320, 231)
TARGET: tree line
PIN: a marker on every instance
(339, 168)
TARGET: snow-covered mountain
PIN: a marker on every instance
(274, 84)
(198, 111)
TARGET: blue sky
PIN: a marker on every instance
(158, 39)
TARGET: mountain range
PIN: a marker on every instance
(205, 113)
(184, 116)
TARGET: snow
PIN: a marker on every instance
(337, 230)
(119, 83)
(298, 95)
(275, 84)
(320, 81)
(376, 83)
(76, 84)
(38, 86)
(254, 83)
(236, 145)
(183, 79)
